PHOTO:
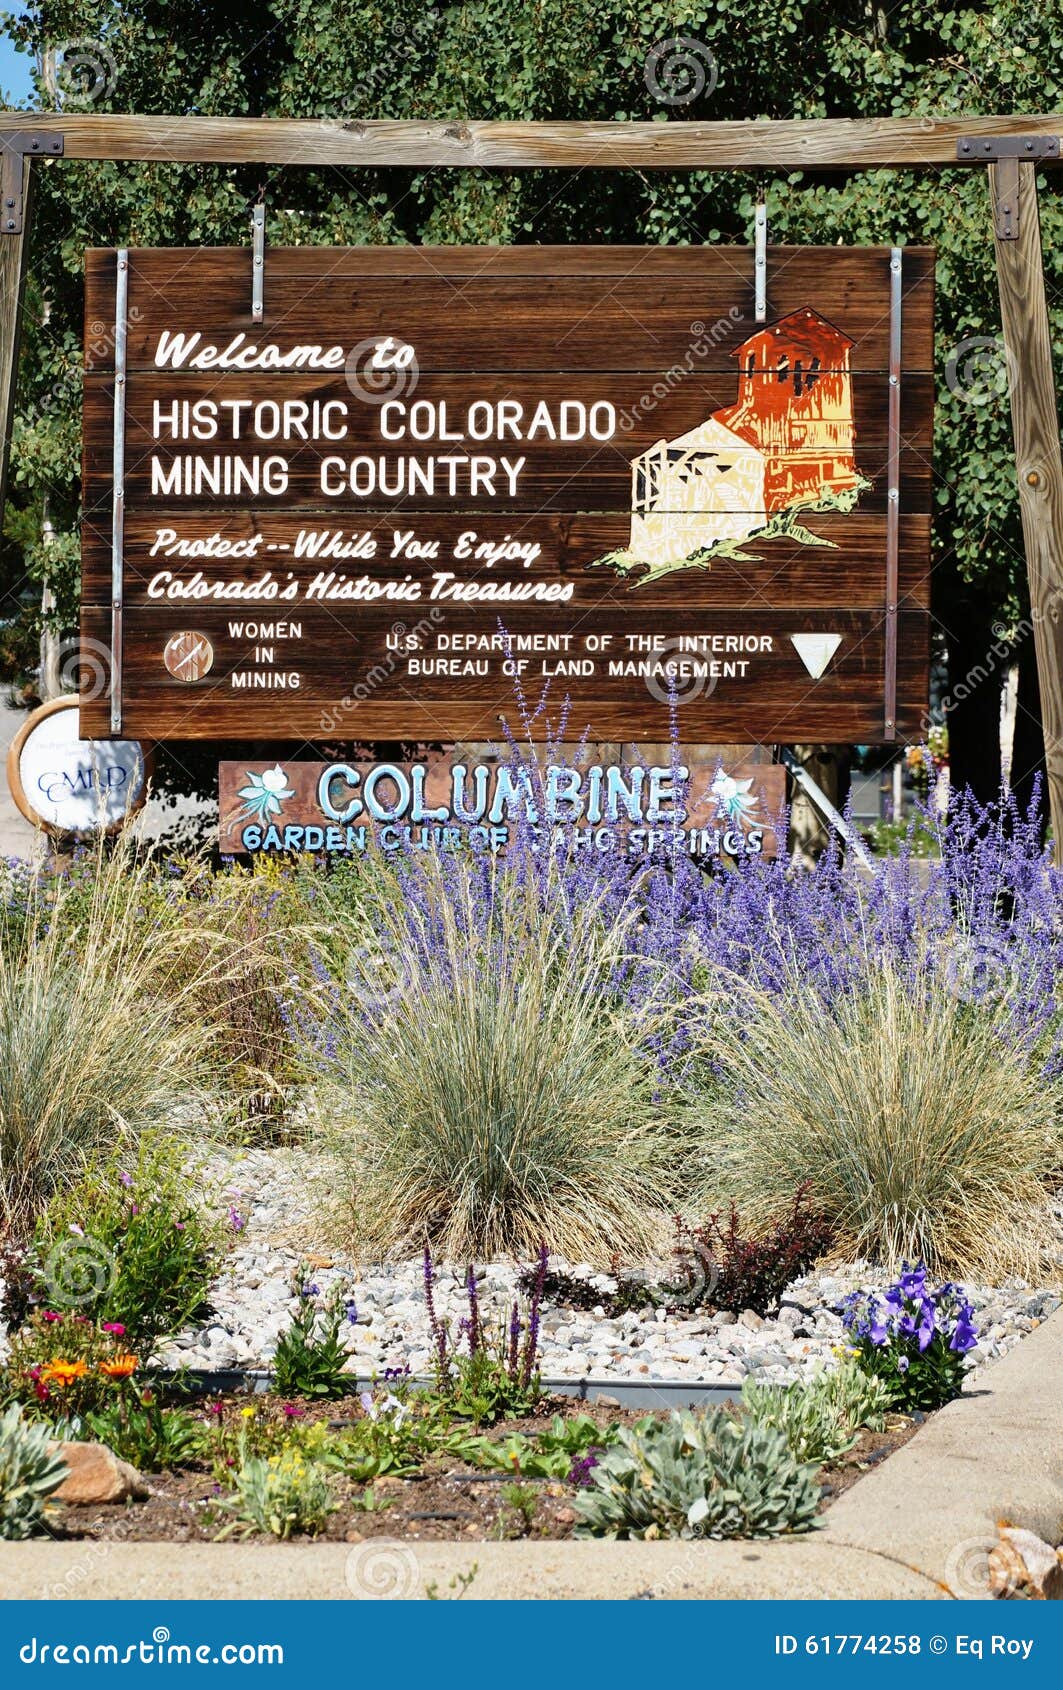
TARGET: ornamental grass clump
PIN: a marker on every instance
(485, 1079)
(691, 1476)
(101, 1034)
(913, 1339)
(921, 1130)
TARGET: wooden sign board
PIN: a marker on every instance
(429, 480)
(636, 807)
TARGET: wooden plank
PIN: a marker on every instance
(779, 571)
(793, 144)
(658, 310)
(361, 674)
(12, 280)
(1035, 424)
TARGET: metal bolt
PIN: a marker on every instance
(894, 380)
(11, 222)
(10, 204)
(34, 145)
(258, 262)
(894, 493)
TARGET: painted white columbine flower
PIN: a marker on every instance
(266, 793)
(733, 800)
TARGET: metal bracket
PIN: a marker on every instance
(1007, 152)
(816, 795)
(15, 145)
(760, 262)
(121, 312)
(258, 260)
(893, 492)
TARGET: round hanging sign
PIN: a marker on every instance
(66, 784)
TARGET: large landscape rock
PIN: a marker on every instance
(97, 1475)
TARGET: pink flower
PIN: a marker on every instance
(126, 1179)
(114, 1326)
(293, 1410)
(50, 1314)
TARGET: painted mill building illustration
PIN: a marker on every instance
(788, 440)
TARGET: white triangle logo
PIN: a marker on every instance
(815, 650)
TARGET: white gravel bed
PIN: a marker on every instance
(273, 1194)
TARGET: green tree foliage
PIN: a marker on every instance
(571, 59)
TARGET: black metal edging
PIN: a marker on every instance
(628, 1393)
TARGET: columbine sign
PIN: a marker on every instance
(635, 808)
(431, 479)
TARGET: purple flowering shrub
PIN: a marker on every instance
(913, 1338)
(571, 1043)
(132, 1243)
(481, 1068)
(311, 1357)
(497, 1376)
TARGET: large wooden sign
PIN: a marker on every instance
(430, 482)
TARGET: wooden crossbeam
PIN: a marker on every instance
(815, 144)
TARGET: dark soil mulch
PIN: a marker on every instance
(448, 1500)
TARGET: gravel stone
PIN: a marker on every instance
(281, 1194)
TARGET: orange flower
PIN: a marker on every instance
(63, 1372)
(120, 1368)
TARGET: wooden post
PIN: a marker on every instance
(12, 278)
(1031, 383)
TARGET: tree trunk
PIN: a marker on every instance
(976, 677)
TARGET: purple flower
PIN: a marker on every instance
(912, 1282)
(126, 1180)
(310, 1291)
(350, 1309)
(579, 1474)
(236, 1219)
(965, 1332)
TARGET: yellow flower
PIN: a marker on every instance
(248, 1413)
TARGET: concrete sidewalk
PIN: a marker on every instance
(921, 1526)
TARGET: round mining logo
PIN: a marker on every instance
(188, 656)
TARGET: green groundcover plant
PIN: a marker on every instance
(132, 1244)
(716, 1476)
(311, 1358)
(29, 1474)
